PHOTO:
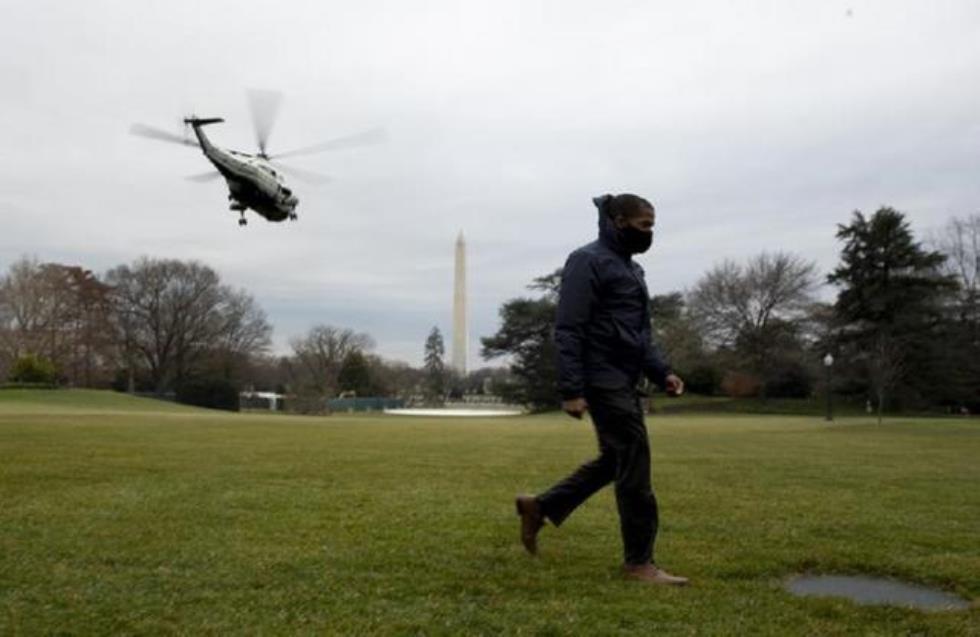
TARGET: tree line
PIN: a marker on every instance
(904, 330)
(171, 327)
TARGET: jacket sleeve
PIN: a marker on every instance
(576, 299)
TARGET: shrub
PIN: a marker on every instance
(740, 385)
(27, 386)
(215, 393)
(703, 380)
(34, 370)
(789, 381)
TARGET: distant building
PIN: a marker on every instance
(262, 400)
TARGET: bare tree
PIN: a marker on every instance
(317, 358)
(732, 300)
(243, 334)
(85, 345)
(6, 340)
(164, 316)
(753, 313)
(959, 240)
(165, 309)
(675, 333)
(886, 365)
(26, 308)
(56, 311)
(718, 303)
(171, 315)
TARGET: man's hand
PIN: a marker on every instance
(576, 407)
(674, 385)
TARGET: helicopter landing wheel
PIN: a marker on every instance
(243, 221)
(293, 216)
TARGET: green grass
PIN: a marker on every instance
(76, 401)
(118, 519)
(815, 406)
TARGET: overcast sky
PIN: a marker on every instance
(751, 125)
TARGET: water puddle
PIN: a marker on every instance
(875, 590)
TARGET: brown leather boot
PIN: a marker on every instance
(652, 575)
(531, 521)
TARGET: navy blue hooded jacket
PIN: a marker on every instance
(602, 329)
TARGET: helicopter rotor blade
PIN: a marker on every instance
(365, 138)
(308, 176)
(201, 178)
(265, 109)
(143, 130)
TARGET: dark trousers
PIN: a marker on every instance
(624, 458)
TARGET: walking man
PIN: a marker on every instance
(604, 345)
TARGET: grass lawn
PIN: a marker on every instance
(122, 515)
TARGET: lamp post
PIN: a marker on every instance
(828, 363)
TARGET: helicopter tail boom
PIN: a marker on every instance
(196, 123)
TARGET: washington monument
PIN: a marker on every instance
(460, 335)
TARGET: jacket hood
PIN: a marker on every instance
(608, 234)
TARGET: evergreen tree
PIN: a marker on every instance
(435, 368)
(890, 303)
(355, 375)
(527, 334)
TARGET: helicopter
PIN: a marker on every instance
(254, 181)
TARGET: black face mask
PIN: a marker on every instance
(635, 241)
